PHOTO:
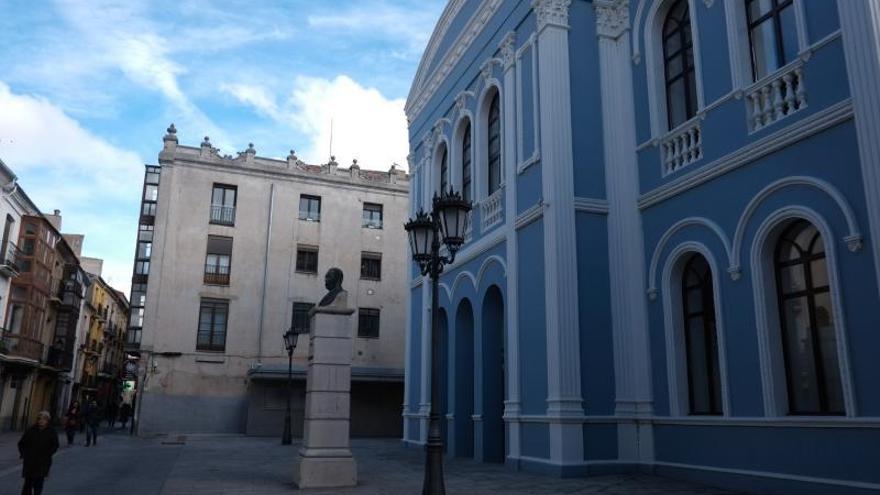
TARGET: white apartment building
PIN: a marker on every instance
(232, 253)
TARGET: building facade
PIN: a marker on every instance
(673, 252)
(232, 253)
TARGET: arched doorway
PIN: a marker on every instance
(494, 448)
(464, 380)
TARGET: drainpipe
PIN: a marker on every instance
(266, 272)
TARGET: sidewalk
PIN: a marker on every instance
(227, 465)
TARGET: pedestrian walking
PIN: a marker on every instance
(36, 448)
(92, 415)
(71, 421)
(112, 411)
(124, 413)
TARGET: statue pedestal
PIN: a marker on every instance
(325, 458)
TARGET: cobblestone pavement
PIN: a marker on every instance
(220, 465)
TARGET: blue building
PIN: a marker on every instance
(673, 261)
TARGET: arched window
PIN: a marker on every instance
(701, 339)
(773, 37)
(809, 340)
(494, 144)
(466, 163)
(678, 64)
(444, 171)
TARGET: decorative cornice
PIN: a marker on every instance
(797, 131)
(612, 18)
(551, 13)
(421, 94)
(507, 50)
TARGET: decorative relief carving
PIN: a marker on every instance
(507, 49)
(612, 17)
(551, 13)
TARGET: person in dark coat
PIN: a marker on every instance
(92, 414)
(36, 448)
(71, 421)
(124, 413)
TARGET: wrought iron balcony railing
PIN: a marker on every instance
(216, 275)
(223, 215)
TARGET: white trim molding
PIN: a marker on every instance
(738, 45)
(764, 289)
(860, 24)
(853, 239)
(632, 359)
(655, 66)
(524, 162)
(772, 475)
(676, 355)
(591, 205)
(672, 230)
(798, 131)
(531, 214)
(426, 86)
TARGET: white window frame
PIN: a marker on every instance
(480, 172)
(739, 47)
(654, 65)
(775, 391)
(456, 176)
(676, 353)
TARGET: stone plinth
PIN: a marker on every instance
(325, 458)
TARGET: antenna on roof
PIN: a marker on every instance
(331, 136)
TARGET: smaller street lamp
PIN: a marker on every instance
(448, 218)
(290, 338)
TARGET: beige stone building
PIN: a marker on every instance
(232, 252)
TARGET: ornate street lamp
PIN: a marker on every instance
(448, 219)
(290, 338)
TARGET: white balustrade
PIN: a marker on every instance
(491, 210)
(774, 98)
(682, 146)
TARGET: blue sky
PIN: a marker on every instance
(87, 89)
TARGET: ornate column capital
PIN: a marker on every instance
(551, 13)
(507, 47)
(612, 18)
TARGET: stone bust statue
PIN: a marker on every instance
(336, 295)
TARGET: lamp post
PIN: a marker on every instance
(448, 218)
(290, 338)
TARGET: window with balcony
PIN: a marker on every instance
(145, 233)
(493, 145)
(151, 192)
(218, 260)
(466, 163)
(307, 259)
(310, 208)
(213, 316)
(300, 321)
(368, 323)
(773, 38)
(152, 175)
(371, 266)
(142, 267)
(223, 200)
(678, 58)
(372, 216)
(444, 170)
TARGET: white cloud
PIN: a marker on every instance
(62, 165)
(365, 125)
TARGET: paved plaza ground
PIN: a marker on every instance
(220, 465)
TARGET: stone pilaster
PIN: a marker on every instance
(512, 402)
(860, 27)
(625, 239)
(560, 248)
